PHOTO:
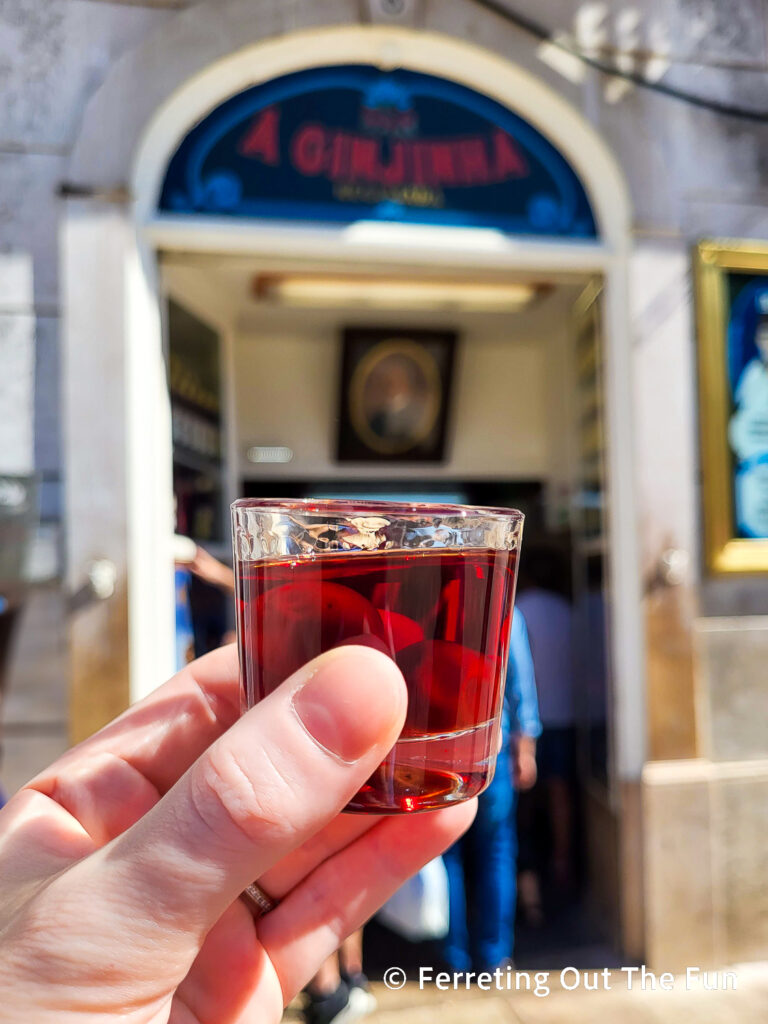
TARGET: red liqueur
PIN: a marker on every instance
(443, 615)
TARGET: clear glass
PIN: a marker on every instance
(431, 586)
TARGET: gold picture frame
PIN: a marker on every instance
(723, 268)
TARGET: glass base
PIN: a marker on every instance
(424, 773)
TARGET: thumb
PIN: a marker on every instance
(283, 771)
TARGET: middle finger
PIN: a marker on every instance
(293, 869)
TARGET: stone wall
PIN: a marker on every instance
(53, 55)
(706, 900)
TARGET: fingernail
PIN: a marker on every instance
(353, 700)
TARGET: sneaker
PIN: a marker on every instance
(360, 991)
(340, 1007)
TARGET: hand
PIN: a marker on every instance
(524, 770)
(211, 570)
(121, 865)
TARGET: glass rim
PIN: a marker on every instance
(348, 507)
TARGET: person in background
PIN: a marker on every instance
(209, 569)
(541, 598)
(192, 560)
(482, 866)
(340, 991)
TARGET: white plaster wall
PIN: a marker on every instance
(505, 420)
(17, 375)
(17, 368)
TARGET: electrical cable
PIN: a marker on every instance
(543, 34)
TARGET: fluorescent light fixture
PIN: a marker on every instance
(425, 236)
(328, 290)
(269, 453)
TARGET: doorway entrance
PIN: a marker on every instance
(258, 356)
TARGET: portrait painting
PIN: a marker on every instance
(732, 294)
(395, 394)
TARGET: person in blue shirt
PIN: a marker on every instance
(482, 901)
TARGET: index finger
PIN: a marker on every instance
(162, 735)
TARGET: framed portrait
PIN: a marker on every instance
(395, 394)
(732, 313)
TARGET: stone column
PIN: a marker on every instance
(118, 466)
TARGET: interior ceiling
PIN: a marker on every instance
(221, 291)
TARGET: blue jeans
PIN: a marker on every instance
(482, 880)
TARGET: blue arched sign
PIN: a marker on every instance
(357, 143)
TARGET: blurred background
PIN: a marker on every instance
(456, 251)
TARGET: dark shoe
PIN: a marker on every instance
(343, 1006)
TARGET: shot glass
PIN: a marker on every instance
(431, 586)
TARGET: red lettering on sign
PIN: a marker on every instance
(308, 150)
(393, 173)
(442, 162)
(363, 161)
(507, 159)
(340, 150)
(261, 141)
(342, 156)
(422, 165)
(473, 158)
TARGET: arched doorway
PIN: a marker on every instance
(136, 518)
